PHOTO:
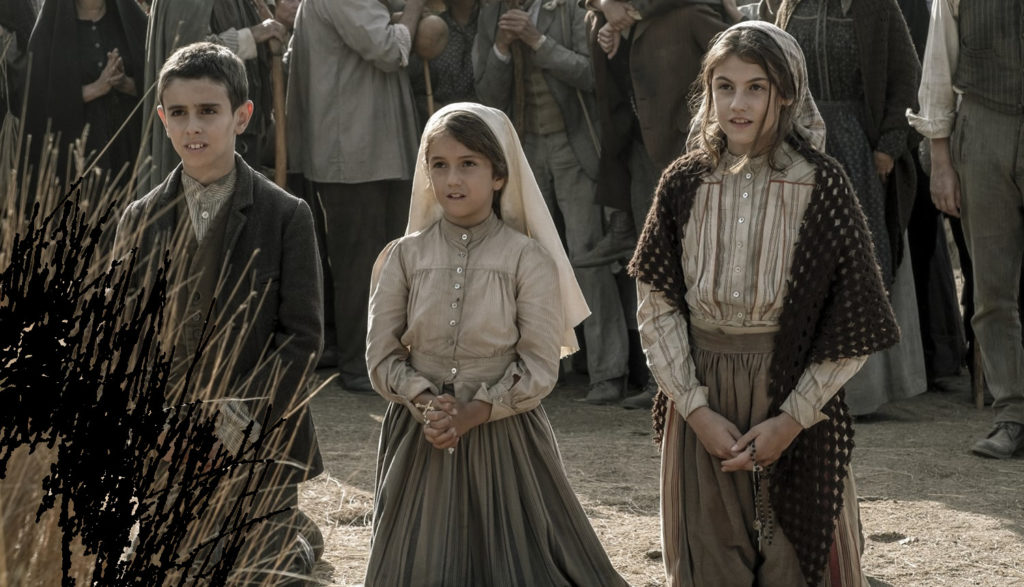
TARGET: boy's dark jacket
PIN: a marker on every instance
(268, 250)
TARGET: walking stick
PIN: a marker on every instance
(430, 89)
(518, 76)
(281, 124)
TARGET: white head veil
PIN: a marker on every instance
(522, 208)
(807, 121)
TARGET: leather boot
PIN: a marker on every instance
(1004, 440)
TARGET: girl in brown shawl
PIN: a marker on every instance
(759, 296)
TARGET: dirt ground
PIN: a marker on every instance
(933, 515)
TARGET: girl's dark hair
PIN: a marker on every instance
(753, 46)
(470, 130)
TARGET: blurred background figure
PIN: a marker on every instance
(451, 72)
(533, 62)
(86, 71)
(16, 20)
(646, 54)
(863, 72)
(285, 11)
(352, 132)
(942, 325)
(972, 73)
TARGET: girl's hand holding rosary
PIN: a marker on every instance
(439, 420)
(773, 437)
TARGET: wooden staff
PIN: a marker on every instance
(430, 89)
(518, 76)
(281, 124)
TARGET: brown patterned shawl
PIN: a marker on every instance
(836, 307)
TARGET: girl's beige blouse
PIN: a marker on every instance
(738, 251)
(477, 308)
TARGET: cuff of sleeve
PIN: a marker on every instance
(500, 394)
(691, 400)
(932, 128)
(802, 410)
(501, 56)
(540, 43)
(246, 45)
(413, 386)
(231, 426)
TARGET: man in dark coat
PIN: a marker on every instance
(646, 54)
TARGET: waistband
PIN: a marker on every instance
(448, 369)
(732, 339)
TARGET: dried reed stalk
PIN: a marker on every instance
(186, 521)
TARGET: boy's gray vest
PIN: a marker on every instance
(991, 65)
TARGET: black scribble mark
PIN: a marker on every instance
(143, 494)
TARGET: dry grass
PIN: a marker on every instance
(933, 515)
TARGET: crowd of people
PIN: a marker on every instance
(738, 212)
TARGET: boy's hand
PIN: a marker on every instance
(773, 436)
(717, 434)
(269, 29)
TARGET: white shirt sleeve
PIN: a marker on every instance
(404, 39)
(937, 96)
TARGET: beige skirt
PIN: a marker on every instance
(498, 512)
(708, 516)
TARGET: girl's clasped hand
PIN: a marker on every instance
(439, 415)
(723, 440)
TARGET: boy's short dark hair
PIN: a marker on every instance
(206, 61)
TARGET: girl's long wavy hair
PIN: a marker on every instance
(753, 46)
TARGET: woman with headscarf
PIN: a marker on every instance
(86, 71)
(864, 72)
(759, 297)
(469, 315)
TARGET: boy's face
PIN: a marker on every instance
(198, 118)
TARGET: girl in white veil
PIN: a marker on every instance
(469, 315)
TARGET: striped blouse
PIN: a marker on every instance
(738, 251)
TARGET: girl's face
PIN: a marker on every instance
(463, 181)
(746, 105)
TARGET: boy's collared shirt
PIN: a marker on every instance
(205, 201)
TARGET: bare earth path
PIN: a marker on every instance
(933, 515)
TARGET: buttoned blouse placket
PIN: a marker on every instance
(741, 184)
(461, 254)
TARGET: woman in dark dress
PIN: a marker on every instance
(86, 72)
(863, 73)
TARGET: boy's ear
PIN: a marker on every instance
(499, 183)
(162, 115)
(242, 116)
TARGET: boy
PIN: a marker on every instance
(243, 257)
